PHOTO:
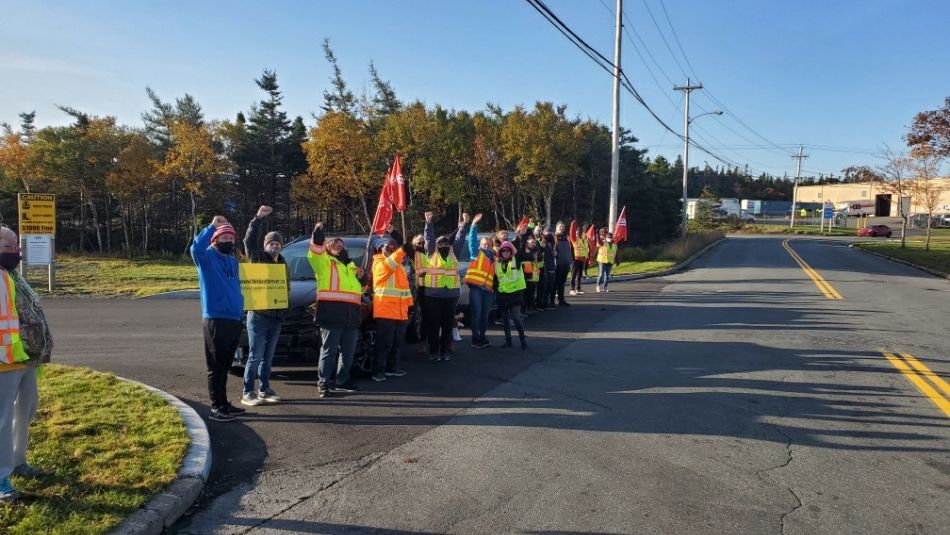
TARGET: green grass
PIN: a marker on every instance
(799, 230)
(109, 446)
(86, 275)
(937, 258)
(636, 260)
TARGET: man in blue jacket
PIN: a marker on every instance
(221, 308)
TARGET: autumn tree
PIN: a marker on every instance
(932, 129)
(926, 188)
(135, 183)
(491, 168)
(896, 174)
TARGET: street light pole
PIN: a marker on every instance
(798, 173)
(615, 136)
(687, 89)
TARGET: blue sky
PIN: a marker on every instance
(827, 74)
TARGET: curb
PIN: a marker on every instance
(191, 293)
(934, 272)
(169, 505)
(669, 271)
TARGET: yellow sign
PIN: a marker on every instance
(264, 286)
(37, 213)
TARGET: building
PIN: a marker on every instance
(871, 194)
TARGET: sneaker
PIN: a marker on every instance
(221, 415)
(598, 289)
(564, 304)
(379, 377)
(606, 291)
(7, 493)
(434, 358)
(251, 400)
(524, 344)
(270, 396)
(395, 373)
(323, 392)
(551, 306)
(446, 357)
(346, 387)
(30, 472)
(236, 411)
(581, 292)
(572, 292)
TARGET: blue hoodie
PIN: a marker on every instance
(218, 279)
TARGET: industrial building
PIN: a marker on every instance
(870, 196)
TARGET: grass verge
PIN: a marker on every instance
(937, 258)
(636, 260)
(109, 446)
(86, 275)
(799, 230)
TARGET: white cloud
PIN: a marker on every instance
(17, 62)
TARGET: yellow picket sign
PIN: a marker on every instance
(264, 286)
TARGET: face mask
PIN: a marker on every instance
(273, 250)
(610, 240)
(9, 261)
(444, 250)
(225, 247)
(343, 257)
(420, 248)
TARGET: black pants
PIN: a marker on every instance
(529, 295)
(550, 279)
(560, 276)
(539, 300)
(221, 341)
(439, 317)
(578, 274)
(512, 313)
(389, 337)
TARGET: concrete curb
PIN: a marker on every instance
(191, 293)
(677, 268)
(934, 272)
(169, 505)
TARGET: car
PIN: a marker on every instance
(875, 230)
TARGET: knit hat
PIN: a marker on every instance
(273, 236)
(506, 245)
(381, 241)
(222, 230)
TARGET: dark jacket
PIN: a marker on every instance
(254, 247)
(565, 251)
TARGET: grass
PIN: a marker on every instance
(86, 275)
(937, 258)
(799, 230)
(638, 260)
(109, 446)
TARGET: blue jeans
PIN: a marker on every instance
(479, 302)
(262, 334)
(603, 276)
(336, 355)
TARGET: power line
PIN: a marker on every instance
(663, 38)
(678, 43)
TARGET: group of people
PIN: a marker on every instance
(519, 272)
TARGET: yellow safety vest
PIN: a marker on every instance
(607, 253)
(442, 273)
(421, 265)
(581, 249)
(12, 351)
(510, 280)
(336, 282)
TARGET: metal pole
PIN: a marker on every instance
(798, 174)
(615, 136)
(687, 89)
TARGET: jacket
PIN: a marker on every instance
(330, 271)
(254, 248)
(565, 251)
(392, 296)
(218, 279)
(458, 242)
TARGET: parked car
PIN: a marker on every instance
(299, 340)
(875, 230)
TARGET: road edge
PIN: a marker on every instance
(163, 509)
(668, 271)
(934, 272)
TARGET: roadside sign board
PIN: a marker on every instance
(828, 212)
(37, 213)
(264, 286)
(39, 249)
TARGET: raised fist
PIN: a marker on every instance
(219, 220)
(478, 217)
(264, 211)
(318, 226)
(428, 216)
(466, 218)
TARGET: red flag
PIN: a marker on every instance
(397, 185)
(384, 211)
(592, 233)
(523, 222)
(572, 231)
(620, 232)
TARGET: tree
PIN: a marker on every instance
(860, 173)
(135, 183)
(932, 128)
(339, 98)
(491, 169)
(384, 100)
(896, 174)
(707, 209)
(926, 189)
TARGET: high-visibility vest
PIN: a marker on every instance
(12, 350)
(529, 271)
(443, 272)
(391, 294)
(581, 249)
(421, 265)
(510, 280)
(607, 253)
(481, 271)
(336, 282)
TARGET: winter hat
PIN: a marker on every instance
(507, 245)
(381, 241)
(222, 230)
(273, 236)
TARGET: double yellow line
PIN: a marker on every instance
(919, 374)
(824, 286)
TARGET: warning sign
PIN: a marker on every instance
(264, 286)
(37, 213)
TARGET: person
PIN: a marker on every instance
(579, 243)
(606, 258)
(564, 259)
(392, 300)
(509, 283)
(222, 307)
(263, 326)
(479, 277)
(442, 286)
(420, 269)
(26, 345)
(339, 298)
(530, 269)
(549, 250)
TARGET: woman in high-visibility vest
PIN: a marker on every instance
(392, 300)
(606, 259)
(581, 250)
(442, 287)
(532, 271)
(509, 282)
(479, 276)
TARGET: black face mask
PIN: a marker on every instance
(444, 251)
(420, 248)
(9, 261)
(343, 257)
(225, 247)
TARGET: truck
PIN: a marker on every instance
(856, 208)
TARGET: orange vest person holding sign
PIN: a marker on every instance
(392, 299)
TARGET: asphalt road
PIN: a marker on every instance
(732, 398)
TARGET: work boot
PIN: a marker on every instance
(507, 342)
(524, 344)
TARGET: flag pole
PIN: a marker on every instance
(402, 215)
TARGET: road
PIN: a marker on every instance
(741, 396)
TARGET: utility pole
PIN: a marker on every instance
(798, 173)
(687, 89)
(615, 138)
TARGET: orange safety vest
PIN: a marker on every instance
(391, 294)
(481, 272)
(11, 351)
(421, 265)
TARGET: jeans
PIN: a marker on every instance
(18, 401)
(440, 318)
(389, 337)
(336, 355)
(221, 341)
(479, 301)
(603, 276)
(262, 334)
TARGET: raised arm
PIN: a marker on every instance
(199, 246)
(429, 235)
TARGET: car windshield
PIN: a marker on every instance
(295, 255)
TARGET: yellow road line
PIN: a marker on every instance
(925, 371)
(823, 285)
(920, 383)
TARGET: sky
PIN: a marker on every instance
(843, 78)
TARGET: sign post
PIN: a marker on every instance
(37, 214)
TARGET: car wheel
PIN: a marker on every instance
(363, 359)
